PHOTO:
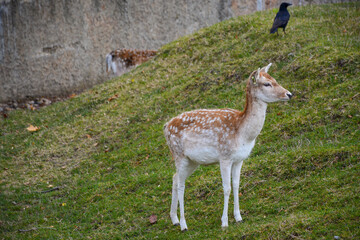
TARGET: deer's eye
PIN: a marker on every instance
(267, 84)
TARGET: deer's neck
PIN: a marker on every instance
(253, 118)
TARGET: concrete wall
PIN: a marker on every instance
(57, 47)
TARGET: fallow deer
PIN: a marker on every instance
(122, 59)
(225, 136)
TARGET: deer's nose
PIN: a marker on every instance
(289, 94)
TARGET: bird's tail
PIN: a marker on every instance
(273, 30)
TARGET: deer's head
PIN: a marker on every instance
(265, 88)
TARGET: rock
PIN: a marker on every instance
(44, 102)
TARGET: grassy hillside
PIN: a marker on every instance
(105, 150)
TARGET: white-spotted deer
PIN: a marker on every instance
(225, 136)
(119, 61)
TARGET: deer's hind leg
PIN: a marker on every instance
(174, 202)
(184, 169)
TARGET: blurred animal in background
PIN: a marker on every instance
(281, 19)
(119, 61)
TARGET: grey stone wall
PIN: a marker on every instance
(57, 47)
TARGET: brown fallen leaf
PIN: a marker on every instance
(113, 97)
(153, 219)
(72, 95)
(32, 128)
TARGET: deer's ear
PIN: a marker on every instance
(266, 69)
(257, 74)
(255, 77)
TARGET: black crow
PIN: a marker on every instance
(282, 18)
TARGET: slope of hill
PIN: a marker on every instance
(99, 167)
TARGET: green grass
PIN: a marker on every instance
(113, 167)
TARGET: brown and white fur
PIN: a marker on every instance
(225, 136)
(119, 61)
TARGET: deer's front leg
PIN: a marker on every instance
(235, 173)
(225, 168)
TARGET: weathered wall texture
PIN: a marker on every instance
(54, 48)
